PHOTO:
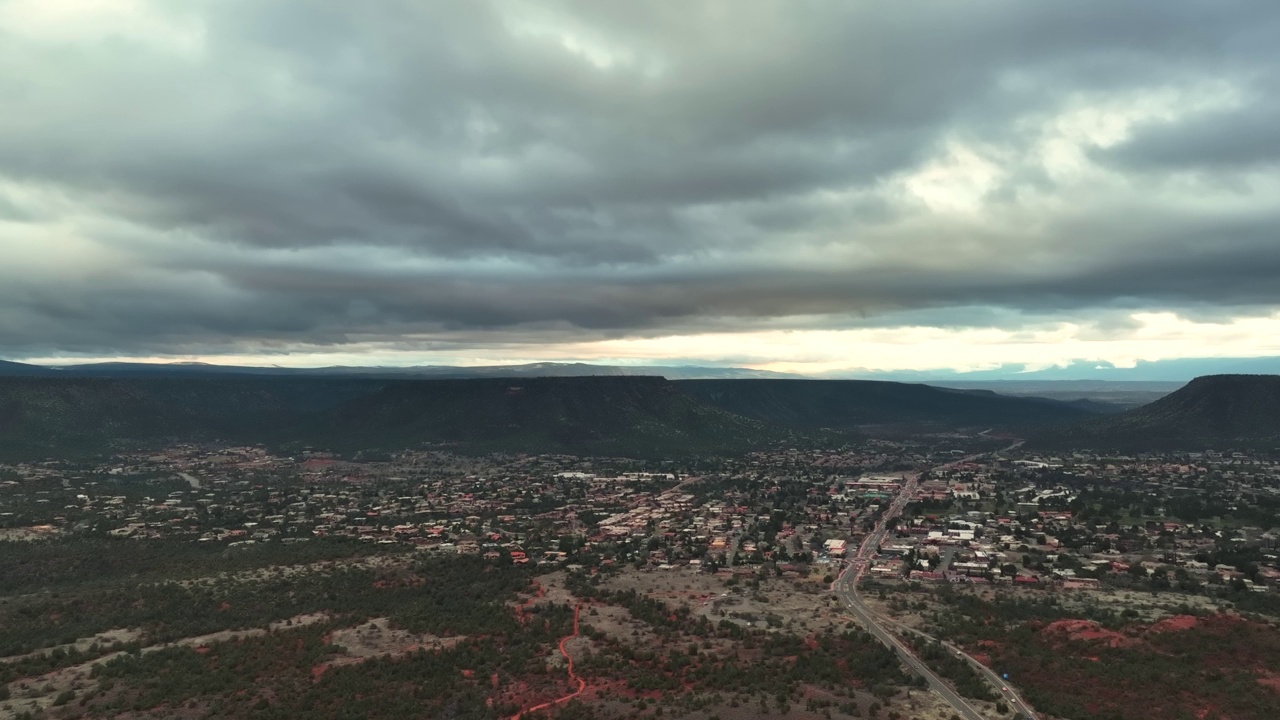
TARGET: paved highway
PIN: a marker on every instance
(846, 588)
(1012, 698)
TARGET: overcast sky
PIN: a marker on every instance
(794, 185)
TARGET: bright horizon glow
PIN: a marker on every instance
(1157, 336)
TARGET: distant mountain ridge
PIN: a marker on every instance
(622, 415)
(13, 369)
(44, 417)
(1214, 411)
(77, 416)
(850, 404)
(56, 416)
(543, 369)
(1015, 379)
(1179, 370)
(1105, 395)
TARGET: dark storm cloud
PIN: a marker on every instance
(1217, 142)
(209, 176)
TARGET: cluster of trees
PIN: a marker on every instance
(775, 664)
(442, 596)
(1215, 664)
(285, 673)
(967, 681)
(460, 596)
(79, 561)
(277, 676)
(686, 661)
(170, 610)
(39, 664)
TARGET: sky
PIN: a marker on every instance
(802, 186)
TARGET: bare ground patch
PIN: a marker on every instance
(376, 638)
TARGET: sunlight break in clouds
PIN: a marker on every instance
(813, 186)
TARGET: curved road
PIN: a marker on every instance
(1015, 701)
(573, 676)
(846, 588)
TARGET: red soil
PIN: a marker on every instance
(1085, 631)
(1175, 623)
(582, 684)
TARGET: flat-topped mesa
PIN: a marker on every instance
(1210, 412)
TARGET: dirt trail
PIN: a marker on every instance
(582, 684)
(539, 592)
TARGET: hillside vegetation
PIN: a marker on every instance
(589, 415)
(70, 417)
(1214, 411)
(849, 404)
(14, 369)
(43, 417)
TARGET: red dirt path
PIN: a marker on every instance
(538, 594)
(582, 684)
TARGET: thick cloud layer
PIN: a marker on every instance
(234, 176)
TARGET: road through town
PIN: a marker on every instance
(846, 588)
